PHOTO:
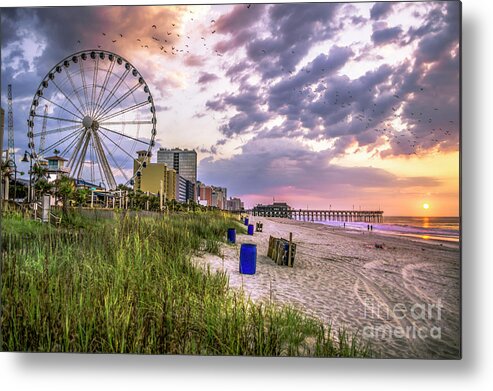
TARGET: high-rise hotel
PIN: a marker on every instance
(184, 162)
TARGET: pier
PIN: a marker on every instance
(369, 216)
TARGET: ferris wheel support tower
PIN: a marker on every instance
(10, 151)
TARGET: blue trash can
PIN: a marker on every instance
(250, 229)
(246, 220)
(248, 258)
(231, 235)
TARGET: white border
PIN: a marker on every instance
(474, 371)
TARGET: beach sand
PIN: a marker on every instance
(404, 298)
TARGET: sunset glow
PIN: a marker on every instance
(324, 104)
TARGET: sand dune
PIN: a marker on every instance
(403, 298)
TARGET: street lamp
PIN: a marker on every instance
(28, 157)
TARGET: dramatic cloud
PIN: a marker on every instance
(281, 89)
(380, 10)
(286, 166)
(206, 78)
(383, 36)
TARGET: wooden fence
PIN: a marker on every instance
(282, 251)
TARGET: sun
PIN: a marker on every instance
(426, 206)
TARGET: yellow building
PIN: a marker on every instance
(151, 176)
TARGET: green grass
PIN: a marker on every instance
(128, 285)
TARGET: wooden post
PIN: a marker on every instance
(290, 263)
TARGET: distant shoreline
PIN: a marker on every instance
(441, 230)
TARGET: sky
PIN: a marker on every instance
(328, 105)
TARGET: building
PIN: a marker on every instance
(205, 194)
(219, 197)
(154, 177)
(181, 189)
(234, 205)
(183, 161)
(185, 189)
(56, 168)
(213, 196)
(277, 209)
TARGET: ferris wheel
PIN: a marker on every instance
(95, 110)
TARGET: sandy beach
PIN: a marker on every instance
(403, 298)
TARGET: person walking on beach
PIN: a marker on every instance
(368, 227)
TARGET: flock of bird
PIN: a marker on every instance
(373, 117)
(163, 38)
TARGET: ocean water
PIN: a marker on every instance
(425, 228)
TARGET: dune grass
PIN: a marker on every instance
(128, 286)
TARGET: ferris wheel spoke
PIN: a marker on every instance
(69, 146)
(109, 72)
(61, 141)
(121, 99)
(104, 162)
(84, 85)
(111, 94)
(67, 97)
(96, 160)
(118, 146)
(94, 84)
(57, 130)
(82, 155)
(76, 152)
(114, 160)
(91, 159)
(58, 118)
(126, 110)
(63, 108)
(127, 123)
(123, 134)
(69, 77)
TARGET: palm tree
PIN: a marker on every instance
(40, 180)
(42, 186)
(64, 190)
(39, 172)
(81, 195)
